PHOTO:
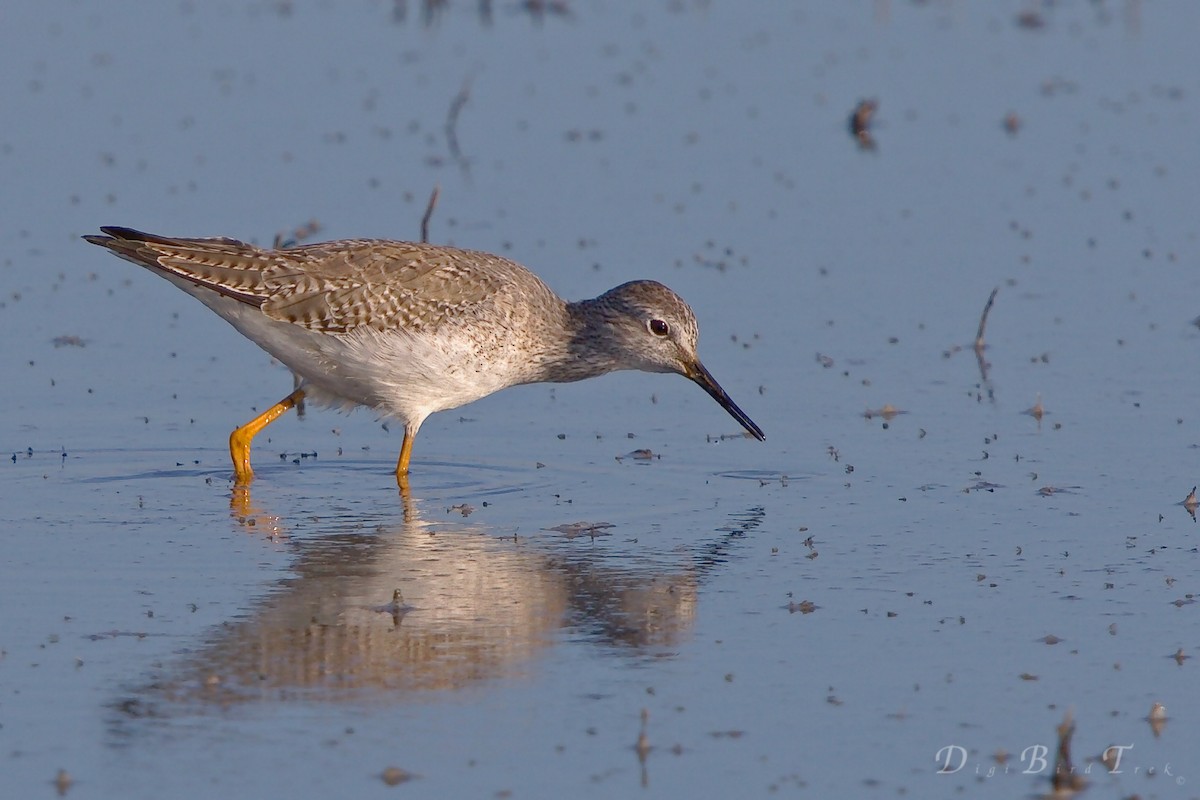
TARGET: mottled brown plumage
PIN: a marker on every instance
(409, 329)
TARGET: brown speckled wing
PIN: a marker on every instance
(331, 287)
(337, 287)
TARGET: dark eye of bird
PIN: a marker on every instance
(659, 327)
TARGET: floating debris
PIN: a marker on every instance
(397, 608)
(720, 258)
(1031, 20)
(860, 123)
(1050, 491)
(804, 607)
(1037, 410)
(720, 438)
(734, 734)
(573, 529)
(1157, 719)
(394, 776)
(1012, 123)
(888, 412)
(63, 782)
(296, 458)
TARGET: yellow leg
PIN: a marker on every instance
(239, 440)
(405, 457)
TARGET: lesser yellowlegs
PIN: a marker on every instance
(408, 329)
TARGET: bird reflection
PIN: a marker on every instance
(382, 611)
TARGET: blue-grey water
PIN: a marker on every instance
(866, 604)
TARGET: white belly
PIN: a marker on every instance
(398, 374)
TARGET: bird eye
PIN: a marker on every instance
(659, 328)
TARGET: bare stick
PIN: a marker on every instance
(987, 309)
(979, 343)
(297, 235)
(433, 198)
(456, 106)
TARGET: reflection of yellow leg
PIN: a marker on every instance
(239, 440)
(251, 517)
(240, 504)
(405, 498)
(405, 457)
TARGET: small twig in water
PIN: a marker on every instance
(980, 345)
(433, 198)
(987, 309)
(456, 106)
(297, 235)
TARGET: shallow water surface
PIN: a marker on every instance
(938, 557)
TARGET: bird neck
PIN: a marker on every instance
(589, 348)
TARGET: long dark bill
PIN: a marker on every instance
(709, 384)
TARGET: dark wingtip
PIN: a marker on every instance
(128, 234)
(114, 233)
(117, 234)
